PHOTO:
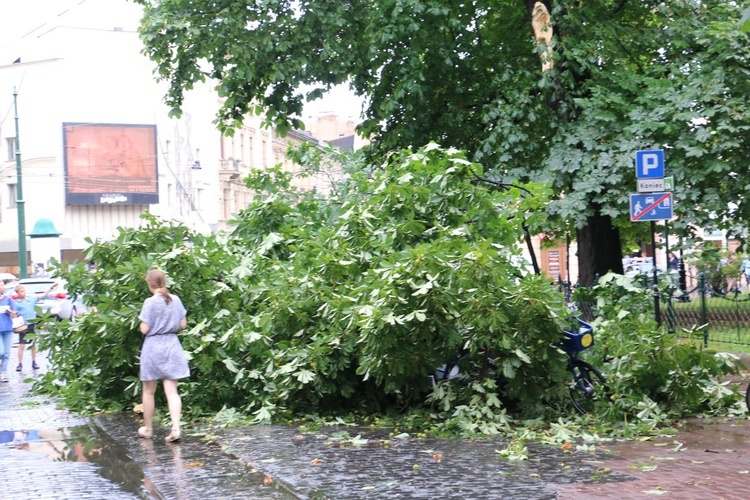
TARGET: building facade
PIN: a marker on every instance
(97, 146)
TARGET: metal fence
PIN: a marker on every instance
(717, 315)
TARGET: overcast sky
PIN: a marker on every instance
(21, 17)
(23, 20)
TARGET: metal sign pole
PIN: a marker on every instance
(666, 244)
(20, 202)
(683, 275)
(657, 313)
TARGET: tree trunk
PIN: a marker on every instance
(599, 250)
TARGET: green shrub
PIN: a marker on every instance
(652, 375)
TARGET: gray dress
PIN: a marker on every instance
(162, 356)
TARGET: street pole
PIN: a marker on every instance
(666, 244)
(657, 313)
(683, 276)
(23, 271)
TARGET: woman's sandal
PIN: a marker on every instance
(146, 433)
(173, 436)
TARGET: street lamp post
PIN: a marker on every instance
(23, 271)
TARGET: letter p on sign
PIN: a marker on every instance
(649, 164)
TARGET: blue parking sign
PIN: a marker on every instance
(649, 164)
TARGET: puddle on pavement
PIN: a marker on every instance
(79, 444)
(364, 463)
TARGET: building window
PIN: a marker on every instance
(11, 196)
(227, 206)
(250, 160)
(170, 195)
(199, 199)
(11, 143)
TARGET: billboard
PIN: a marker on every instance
(110, 164)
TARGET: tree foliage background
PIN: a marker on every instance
(624, 76)
(348, 303)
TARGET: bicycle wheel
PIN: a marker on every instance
(587, 386)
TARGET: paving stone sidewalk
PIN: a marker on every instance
(705, 460)
(39, 457)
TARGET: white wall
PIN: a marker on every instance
(86, 67)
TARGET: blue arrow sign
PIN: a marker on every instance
(650, 206)
(649, 164)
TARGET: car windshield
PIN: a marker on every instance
(41, 287)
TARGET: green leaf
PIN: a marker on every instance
(522, 356)
(231, 366)
(305, 376)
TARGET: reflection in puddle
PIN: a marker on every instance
(79, 444)
(76, 444)
(175, 473)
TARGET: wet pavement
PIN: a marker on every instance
(46, 452)
(189, 469)
(338, 462)
(706, 460)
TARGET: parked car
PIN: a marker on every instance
(58, 302)
(7, 277)
(9, 287)
(639, 265)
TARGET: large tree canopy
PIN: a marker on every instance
(567, 103)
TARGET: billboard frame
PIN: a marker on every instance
(110, 164)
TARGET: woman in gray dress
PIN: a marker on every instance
(162, 357)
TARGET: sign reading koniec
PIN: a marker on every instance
(650, 185)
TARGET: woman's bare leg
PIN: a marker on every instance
(175, 403)
(149, 389)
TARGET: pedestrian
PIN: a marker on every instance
(745, 270)
(162, 357)
(674, 262)
(26, 307)
(7, 307)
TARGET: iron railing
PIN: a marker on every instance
(712, 314)
(719, 315)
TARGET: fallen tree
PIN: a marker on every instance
(347, 304)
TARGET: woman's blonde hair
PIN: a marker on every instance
(157, 282)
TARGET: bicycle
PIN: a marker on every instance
(587, 384)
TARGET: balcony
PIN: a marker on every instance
(231, 165)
